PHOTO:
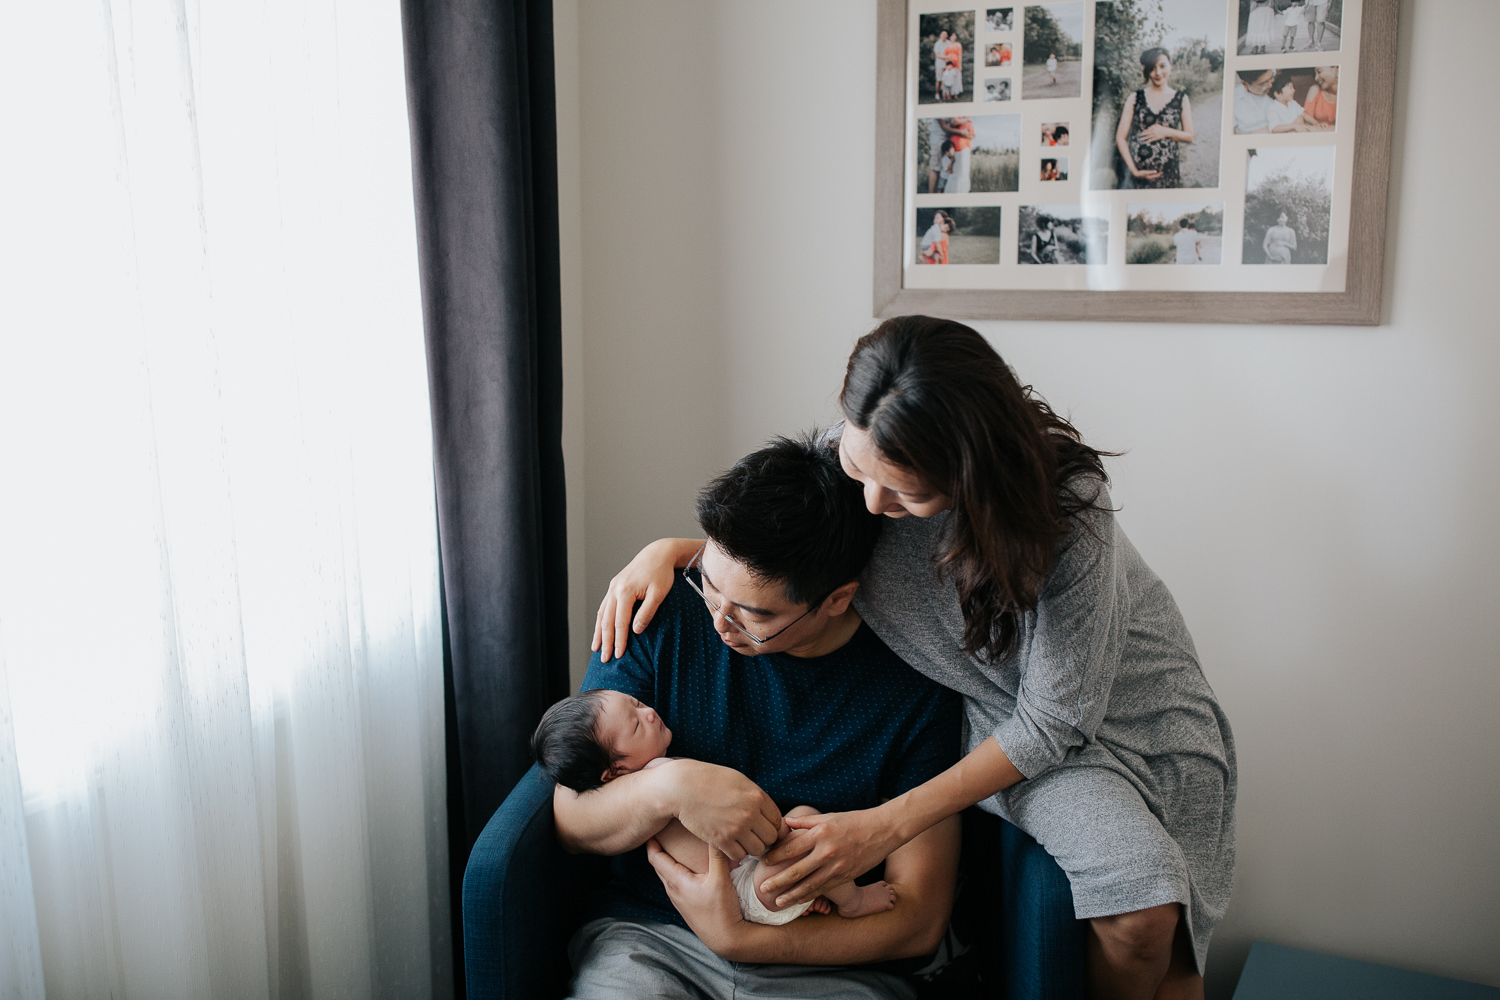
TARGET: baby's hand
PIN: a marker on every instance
(820, 905)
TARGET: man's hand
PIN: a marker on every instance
(723, 807)
(707, 902)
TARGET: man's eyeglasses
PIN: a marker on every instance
(686, 571)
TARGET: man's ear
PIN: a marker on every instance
(837, 602)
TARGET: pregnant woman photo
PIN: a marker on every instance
(1155, 120)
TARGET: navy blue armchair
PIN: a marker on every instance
(523, 896)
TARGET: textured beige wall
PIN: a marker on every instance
(1322, 501)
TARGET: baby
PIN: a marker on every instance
(592, 738)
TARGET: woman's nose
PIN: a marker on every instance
(874, 498)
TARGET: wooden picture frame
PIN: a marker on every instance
(897, 288)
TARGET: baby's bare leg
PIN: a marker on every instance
(851, 900)
(684, 848)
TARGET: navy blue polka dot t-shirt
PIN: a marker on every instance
(836, 732)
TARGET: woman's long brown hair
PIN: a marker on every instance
(937, 399)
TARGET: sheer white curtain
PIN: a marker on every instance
(221, 723)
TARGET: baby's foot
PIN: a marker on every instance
(873, 898)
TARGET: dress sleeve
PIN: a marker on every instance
(1068, 666)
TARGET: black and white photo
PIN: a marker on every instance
(997, 88)
(1062, 234)
(1288, 204)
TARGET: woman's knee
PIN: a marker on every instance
(1145, 934)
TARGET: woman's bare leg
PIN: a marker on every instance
(1182, 981)
(1143, 955)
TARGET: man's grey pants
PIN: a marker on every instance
(626, 958)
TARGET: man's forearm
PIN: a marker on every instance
(923, 874)
(616, 818)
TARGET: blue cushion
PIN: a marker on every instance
(1273, 972)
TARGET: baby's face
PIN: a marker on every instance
(633, 729)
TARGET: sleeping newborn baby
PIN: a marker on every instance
(594, 737)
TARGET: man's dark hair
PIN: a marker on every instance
(790, 514)
(566, 743)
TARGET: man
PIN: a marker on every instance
(939, 63)
(1188, 242)
(1253, 102)
(776, 694)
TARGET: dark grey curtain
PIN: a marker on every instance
(483, 120)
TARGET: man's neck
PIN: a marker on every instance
(835, 635)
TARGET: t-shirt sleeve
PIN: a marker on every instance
(634, 673)
(1249, 111)
(930, 747)
(1069, 668)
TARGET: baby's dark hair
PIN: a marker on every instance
(566, 743)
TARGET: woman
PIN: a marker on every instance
(1279, 242)
(953, 73)
(1043, 248)
(1258, 30)
(1153, 122)
(1091, 725)
(1323, 99)
(961, 133)
(934, 247)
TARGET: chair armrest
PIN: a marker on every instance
(521, 897)
(1044, 943)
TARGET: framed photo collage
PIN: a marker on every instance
(1134, 159)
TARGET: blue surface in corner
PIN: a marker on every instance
(1274, 972)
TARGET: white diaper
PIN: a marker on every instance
(750, 905)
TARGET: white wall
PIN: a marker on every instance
(1322, 501)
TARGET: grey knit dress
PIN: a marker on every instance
(1129, 761)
